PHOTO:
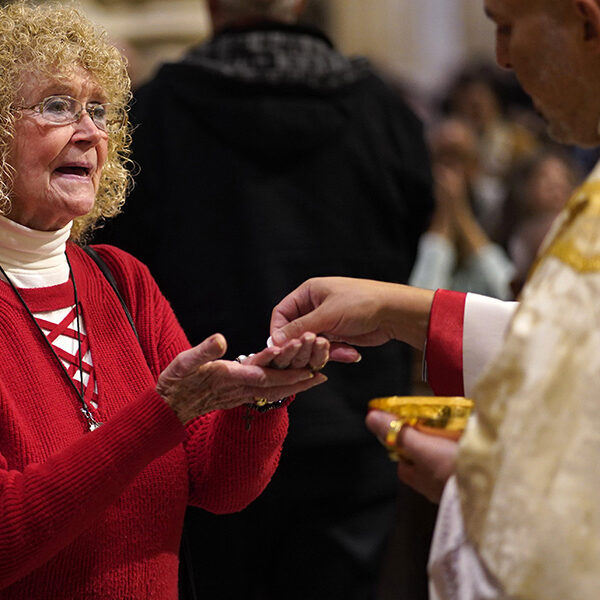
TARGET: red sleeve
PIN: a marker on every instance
(228, 465)
(444, 350)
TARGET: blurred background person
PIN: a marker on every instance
(280, 159)
(475, 95)
(456, 253)
(538, 189)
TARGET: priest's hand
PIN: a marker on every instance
(353, 312)
(425, 461)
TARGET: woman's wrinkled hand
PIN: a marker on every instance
(197, 381)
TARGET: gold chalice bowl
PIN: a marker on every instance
(444, 416)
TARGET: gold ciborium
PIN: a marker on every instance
(437, 415)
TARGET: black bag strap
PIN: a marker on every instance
(185, 542)
(111, 279)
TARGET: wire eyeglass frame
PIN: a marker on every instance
(104, 116)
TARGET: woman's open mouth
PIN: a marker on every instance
(79, 170)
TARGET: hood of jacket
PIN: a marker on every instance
(276, 91)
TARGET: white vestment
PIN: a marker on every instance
(527, 470)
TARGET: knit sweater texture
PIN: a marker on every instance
(98, 515)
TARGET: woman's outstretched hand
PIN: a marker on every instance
(197, 381)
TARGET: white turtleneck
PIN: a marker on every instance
(34, 258)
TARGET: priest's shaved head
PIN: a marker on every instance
(553, 46)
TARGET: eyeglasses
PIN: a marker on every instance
(63, 110)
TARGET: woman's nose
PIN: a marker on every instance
(85, 128)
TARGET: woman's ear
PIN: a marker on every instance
(588, 12)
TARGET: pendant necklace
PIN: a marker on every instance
(85, 409)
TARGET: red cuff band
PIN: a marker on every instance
(445, 343)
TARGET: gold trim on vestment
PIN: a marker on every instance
(567, 248)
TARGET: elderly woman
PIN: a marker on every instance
(107, 429)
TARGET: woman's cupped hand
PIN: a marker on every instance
(198, 381)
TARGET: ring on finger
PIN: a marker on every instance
(260, 401)
(391, 440)
(391, 435)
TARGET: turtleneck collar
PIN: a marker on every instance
(33, 258)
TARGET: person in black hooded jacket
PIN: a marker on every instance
(268, 157)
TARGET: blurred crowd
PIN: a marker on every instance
(499, 182)
(499, 179)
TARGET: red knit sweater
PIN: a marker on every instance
(99, 515)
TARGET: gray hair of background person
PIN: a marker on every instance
(272, 9)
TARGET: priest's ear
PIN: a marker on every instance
(588, 12)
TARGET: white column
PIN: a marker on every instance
(422, 41)
(440, 41)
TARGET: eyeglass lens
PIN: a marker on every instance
(64, 109)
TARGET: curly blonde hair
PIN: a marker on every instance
(53, 40)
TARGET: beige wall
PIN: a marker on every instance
(150, 31)
(418, 40)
